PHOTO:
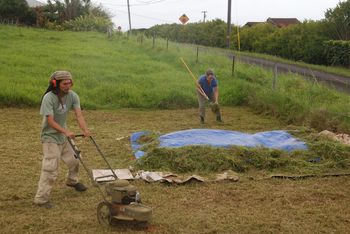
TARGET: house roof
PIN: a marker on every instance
(250, 24)
(34, 3)
(282, 22)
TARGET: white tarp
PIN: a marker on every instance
(103, 175)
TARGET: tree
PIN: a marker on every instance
(99, 11)
(13, 9)
(210, 33)
(67, 9)
(60, 11)
(338, 20)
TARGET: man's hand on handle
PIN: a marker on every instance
(69, 134)
(86, 133)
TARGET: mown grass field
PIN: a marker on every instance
(126, 87)
(315, 205)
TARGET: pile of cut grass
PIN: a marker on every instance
(323, 156)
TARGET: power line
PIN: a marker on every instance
(144, 16)
(150, 2)
(139, 4)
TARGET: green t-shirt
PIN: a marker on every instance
(51, 105)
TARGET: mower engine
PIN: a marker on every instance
(125, 204)
(122, 192)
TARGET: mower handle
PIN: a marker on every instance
(77, 151)
(79, 135)
(77, 156)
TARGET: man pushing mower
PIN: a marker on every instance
(55, 105)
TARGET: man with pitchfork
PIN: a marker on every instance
(207, 90)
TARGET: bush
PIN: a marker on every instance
(88, 23)
(296, 42)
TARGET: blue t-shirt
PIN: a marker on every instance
(207, 88)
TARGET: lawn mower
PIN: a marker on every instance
(121, 200)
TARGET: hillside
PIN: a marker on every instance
(108, 73)
(121, 72)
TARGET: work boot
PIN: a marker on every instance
(218, 119)
(78, 187)
(202, 119)
(47, 205)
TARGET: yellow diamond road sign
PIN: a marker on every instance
(184, 19)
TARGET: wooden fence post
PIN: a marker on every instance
(274, 77)
(197, 54)
(233, 64)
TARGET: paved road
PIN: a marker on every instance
(341, 83)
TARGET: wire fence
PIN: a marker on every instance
(338, 82)
(9, 21)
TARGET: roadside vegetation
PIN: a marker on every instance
(323, 42)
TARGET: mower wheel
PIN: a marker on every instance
(104, 214)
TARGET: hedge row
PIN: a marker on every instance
(337, 52)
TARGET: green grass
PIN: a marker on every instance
(108, 73)
(121, 72)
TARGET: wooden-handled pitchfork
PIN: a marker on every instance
(199, 88)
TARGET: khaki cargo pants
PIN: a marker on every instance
(52, 154)
(202, 101)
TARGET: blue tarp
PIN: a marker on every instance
(135, 146)
(223, 138)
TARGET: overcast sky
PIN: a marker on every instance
(146, 13)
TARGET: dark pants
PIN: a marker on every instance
(202, 101)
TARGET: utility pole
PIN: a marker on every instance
(204, 15)
(129, 17)
(228, 24)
